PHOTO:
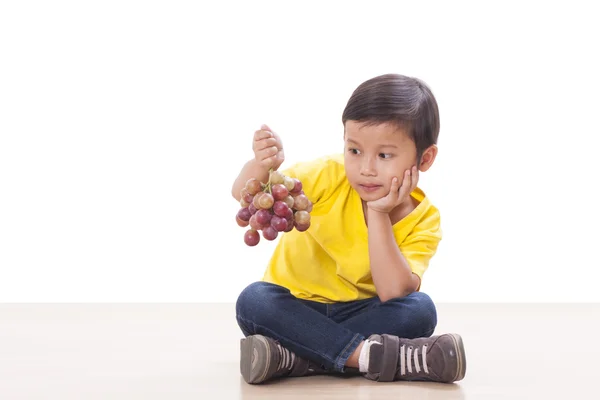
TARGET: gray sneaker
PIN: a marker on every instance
(437, 358)
(263, 358)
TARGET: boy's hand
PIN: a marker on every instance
(399, 193)
(268, 149)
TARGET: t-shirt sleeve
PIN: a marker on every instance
(421, 244)
(319, 177)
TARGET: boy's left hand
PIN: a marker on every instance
(399, 192)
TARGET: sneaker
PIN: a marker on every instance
(263, 358)
(437, 358)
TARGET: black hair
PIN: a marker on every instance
(405, 101)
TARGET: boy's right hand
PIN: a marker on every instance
(268, 149)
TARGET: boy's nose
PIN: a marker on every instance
(367, 168)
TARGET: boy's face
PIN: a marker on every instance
(374, 155)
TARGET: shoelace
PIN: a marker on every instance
(406, 355)
(286, 358)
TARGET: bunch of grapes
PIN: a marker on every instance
(279, 205)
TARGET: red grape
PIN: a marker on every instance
(297, 186)
(301, 227)
(290, 225)
(254, 224)
(302, 217)
(265, 201)
(244, 203)
(252, 209)
(241, 222)
(279, 191)
(288, 183)
(251, 237)
(289, 200)
(276, 177)
(253, 186)
(280, 208)
(270, 233)
(301, 202)
(257, 198)
(263, 217)
(289, 214)
(248, 198)
(244, 214)
(310, 207)
(279, 223)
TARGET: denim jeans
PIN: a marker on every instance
(328, 334)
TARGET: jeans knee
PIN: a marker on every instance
(425, 312)
(253, 299)
(254, 305)
(417, 313)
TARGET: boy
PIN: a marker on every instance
(343, 296)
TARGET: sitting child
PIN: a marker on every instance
(343, 296)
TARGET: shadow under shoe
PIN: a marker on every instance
(263, 358)
(437, 358)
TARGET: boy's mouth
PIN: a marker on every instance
(369, 187)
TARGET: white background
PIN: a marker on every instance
(123, 125)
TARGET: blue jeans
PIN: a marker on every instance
(328, 334)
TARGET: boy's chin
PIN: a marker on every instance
(367, 198)
(366, 195)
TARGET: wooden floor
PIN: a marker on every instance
(191, 351)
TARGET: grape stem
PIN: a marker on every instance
(268, 184)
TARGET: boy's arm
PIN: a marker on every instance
(268, 153)
(391, 273)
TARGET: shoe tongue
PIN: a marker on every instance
(375, 358)
(379, 360)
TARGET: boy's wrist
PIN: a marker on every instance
(258, 168)
(377, 215)
(261, 167)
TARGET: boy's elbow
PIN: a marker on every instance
(395, 294)
(387, 296)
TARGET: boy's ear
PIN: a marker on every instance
(428, 158)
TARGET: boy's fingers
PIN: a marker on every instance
(269, 161)
(265, 128)
(264, 154)
(262, 134)
(264, 143)
(406, 182)
(266, 146)
(408, 177)
(267, 152)
(415, 179)
(395, 184)
(394, 189)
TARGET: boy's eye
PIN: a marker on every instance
(385, 155)
(353, 151)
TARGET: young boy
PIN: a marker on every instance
(343, 296)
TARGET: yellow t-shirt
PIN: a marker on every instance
(329, 262)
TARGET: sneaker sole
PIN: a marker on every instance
(461, 358)
(255, 358)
